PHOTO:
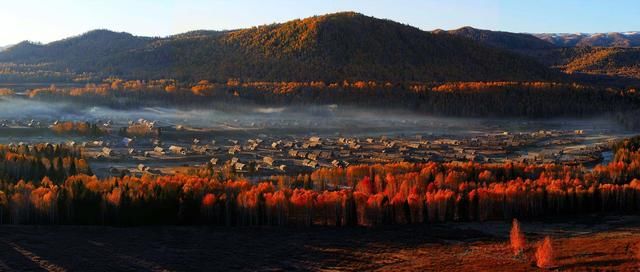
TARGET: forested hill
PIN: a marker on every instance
(610, 54)
(505, 40)
(334, 47)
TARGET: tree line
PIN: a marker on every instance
(467, 99)
(35, 162)
(366, 195)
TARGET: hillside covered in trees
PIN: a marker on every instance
(610, 54)
(501, 39)
(334, 47)
(342, 53)
(330, 48)
(610, 61)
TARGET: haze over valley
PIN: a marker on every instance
(341, 141)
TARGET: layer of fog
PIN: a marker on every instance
(308, 119)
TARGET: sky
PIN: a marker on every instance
(49, 20)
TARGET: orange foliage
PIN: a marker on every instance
(81, 128)
(114, 197)
(502, 86)
(209, 200)
(399, 193)
(544, 254)
(170, 88)
(517, 238)
(6, 92)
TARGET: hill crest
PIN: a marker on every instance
(332, 47)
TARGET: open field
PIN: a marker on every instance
(608, 243)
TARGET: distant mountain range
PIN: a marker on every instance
(612, 39)
(335, 47)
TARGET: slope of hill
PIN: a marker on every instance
(610, 61)
(86, 50)
(332, 47)
(612, 39)
(5, 47)
(505, 40)
(610, 54)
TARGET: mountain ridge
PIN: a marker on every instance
(332, 47)
(502, 39)
(335, 47)
(608, 39)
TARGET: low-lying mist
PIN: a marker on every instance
(322, 119)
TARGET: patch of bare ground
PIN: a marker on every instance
(594, 243)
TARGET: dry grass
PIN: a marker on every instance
(446, 247)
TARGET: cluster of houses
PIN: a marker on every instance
(4, 123)
(268, 155)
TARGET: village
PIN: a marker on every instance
(289, 147)
(168, 150)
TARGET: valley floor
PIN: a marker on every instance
(609, 243)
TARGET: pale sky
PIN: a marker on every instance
(50, 20)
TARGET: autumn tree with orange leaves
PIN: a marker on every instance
(517, 238)
(49, 184)
(544, 254)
